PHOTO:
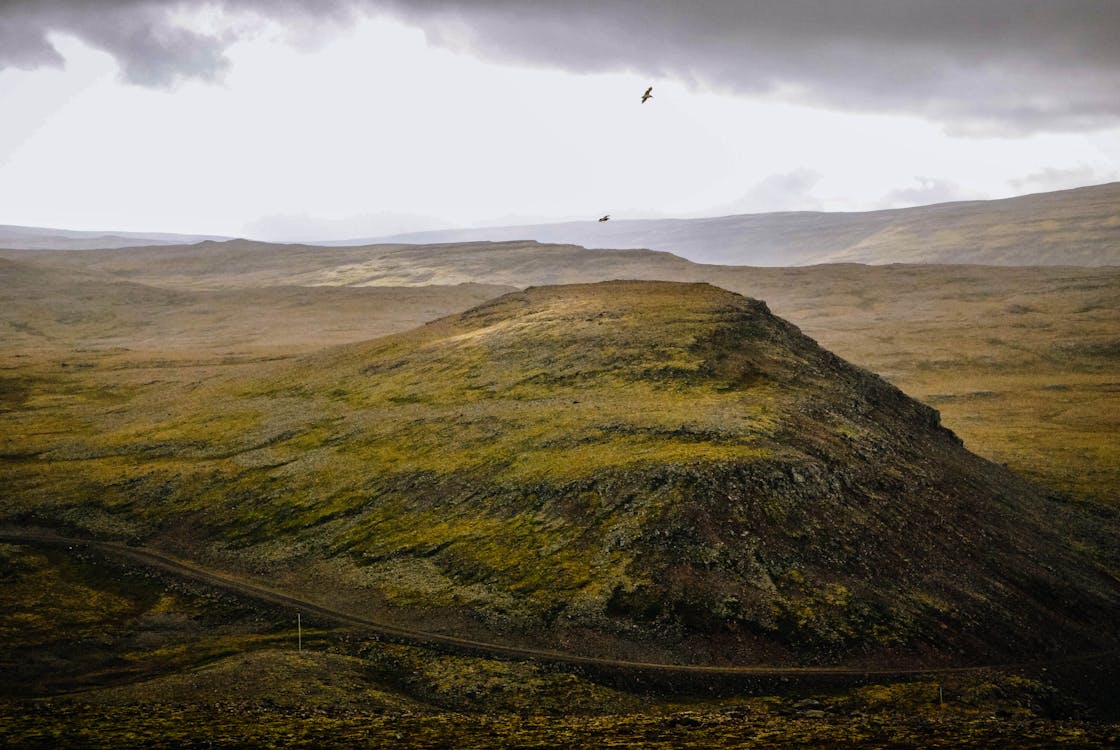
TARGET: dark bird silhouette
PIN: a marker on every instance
(647, 95)
(605, 217)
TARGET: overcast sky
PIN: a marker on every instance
(292, 119)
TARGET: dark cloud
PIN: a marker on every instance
(984, 66)
(980, 66)
(150, 49)
(146, 37)
(25, 46)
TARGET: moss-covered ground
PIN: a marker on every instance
(642, 459)
(51, 725)
(126, 415)
(139, 660)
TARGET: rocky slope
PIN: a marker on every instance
(650, 469)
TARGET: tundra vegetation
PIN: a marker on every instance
(646, 471)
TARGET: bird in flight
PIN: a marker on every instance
(647, 95)
(605, 217)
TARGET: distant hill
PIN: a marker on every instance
(246, 263)
(36, 238)
(1079, 227)
(660, 469)
(53, 308)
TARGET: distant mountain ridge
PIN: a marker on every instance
(1078, 227)
(44, 238)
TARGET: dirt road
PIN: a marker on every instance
(168, 564)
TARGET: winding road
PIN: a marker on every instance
(166, 563)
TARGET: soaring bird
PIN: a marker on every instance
(647, 95)
(605, 217)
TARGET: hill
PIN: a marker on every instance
(1078, 227)
(78, 309)
(1018, 359)
(645, 469)
(1069, 227)
(245, 263)
(33, 238)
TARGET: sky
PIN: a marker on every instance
(335, 119)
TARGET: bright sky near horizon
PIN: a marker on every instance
(380, 125)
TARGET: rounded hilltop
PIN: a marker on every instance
(656, 469)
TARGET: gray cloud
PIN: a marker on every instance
(151, 47)
(305, 228)
(24, 45)
(150, 50)
(1051, 178)
(927, 191)
(789, 191)
(979, 66)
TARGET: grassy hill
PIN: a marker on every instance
(182, 412)
(1018, 360)
(78, 309)
(656, 469)
(244, 263)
